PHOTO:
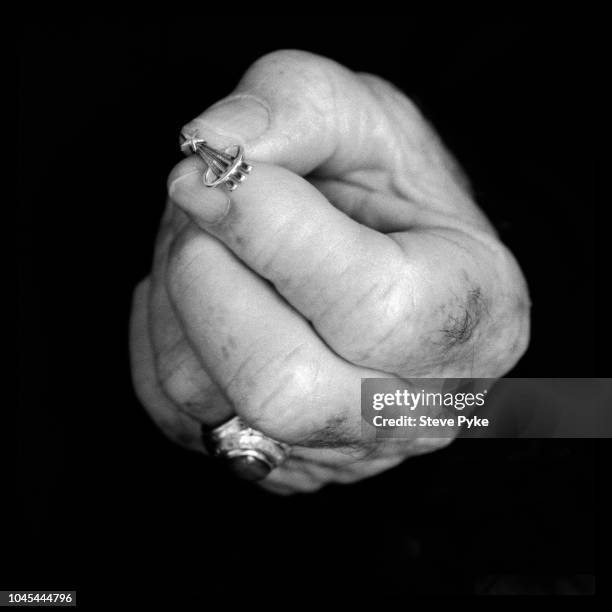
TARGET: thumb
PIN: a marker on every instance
(303, 112)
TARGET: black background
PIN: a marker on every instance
(105, 500)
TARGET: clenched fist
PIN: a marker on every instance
(353, 250)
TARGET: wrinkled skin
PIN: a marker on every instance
(354, 249)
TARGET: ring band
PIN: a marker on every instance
(223, 167)
(249, 453)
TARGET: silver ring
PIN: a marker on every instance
(223, 167)
(249, 453)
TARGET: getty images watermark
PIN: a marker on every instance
(428, 402)
(487, 408)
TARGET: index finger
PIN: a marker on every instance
(332, 269)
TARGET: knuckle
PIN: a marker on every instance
(507, 337)
(290, 63)
(505, 331)
(297, 80)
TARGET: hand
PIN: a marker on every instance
(354, 249)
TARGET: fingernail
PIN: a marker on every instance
(242, 117)
(206, 205)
